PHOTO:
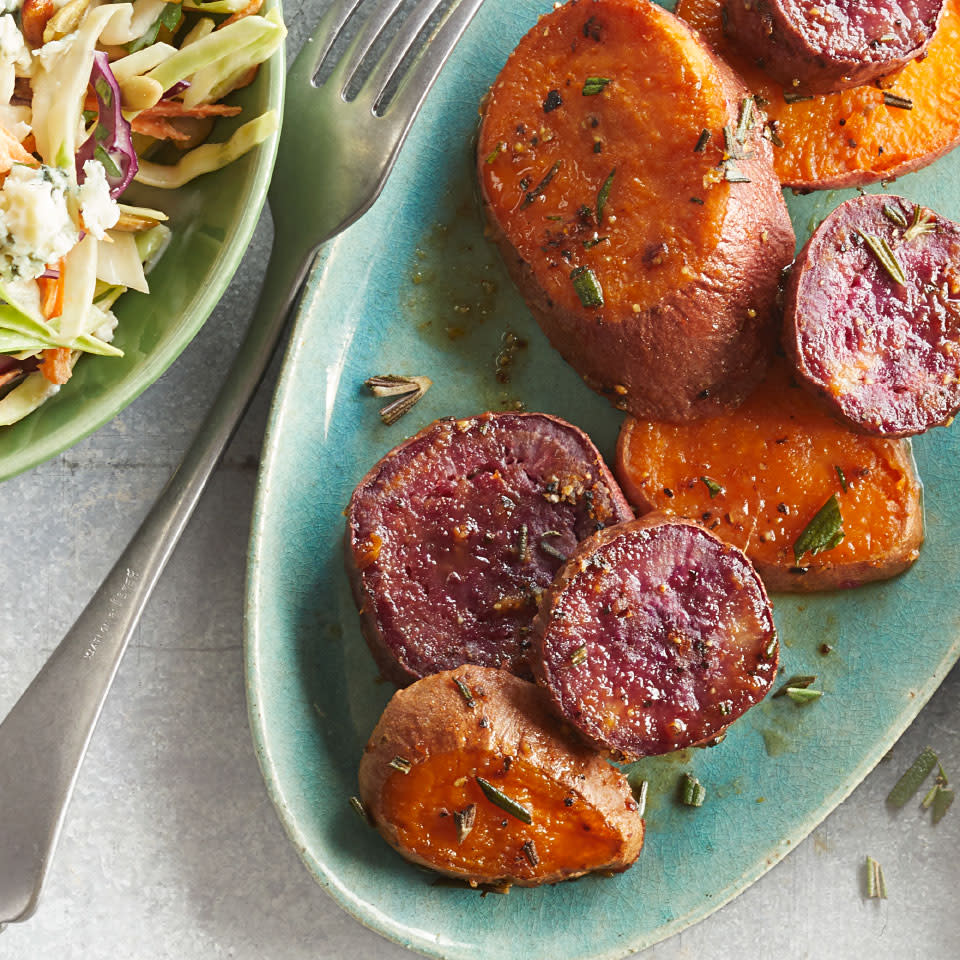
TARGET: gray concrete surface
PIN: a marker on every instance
(172, 849)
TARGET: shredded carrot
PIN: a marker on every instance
(12, 151)
(51, 294)
(247, 78)
(248, 11)
(175, 108)
(55, 365)
(159, 128)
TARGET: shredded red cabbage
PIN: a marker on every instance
(178, 87)
(110, 142)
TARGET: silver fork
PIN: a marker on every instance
(333, 159)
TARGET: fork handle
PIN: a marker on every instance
(45, 736)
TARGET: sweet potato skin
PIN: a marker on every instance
(680, 335)
(776, 460)
(853, 138)
(507, 718)
(823, 54)
(654, 637)
(883, 356)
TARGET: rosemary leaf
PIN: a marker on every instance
(923, 222)
(464, 820)
(705, 136)
(406, 390)
(541, 186)
(799, 682)
(885, 255)
(594, 85)
(895, 100)
(578, 656)
(530, 852)
(733, 175)
(587, 287)
(402, 764)
(603, 195)
(505, 803)
(791, 96)
(361, 811)
(941, 804)
(465, 692)
(640, 791)
(843, 479)
(895, 216)
(802, 696)
(912, 780)
(712, 486)
(548, 548)
(822, 533)
(876, 885)
(523, 552)
(693, 792)
(746, 119)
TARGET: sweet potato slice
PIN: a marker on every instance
(862, 135)
(758, 477)
(633, 199)
(872, 316)
(469, 773)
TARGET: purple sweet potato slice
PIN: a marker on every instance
(879, 338)
(453, 536)
(655, 636)
(814, 47)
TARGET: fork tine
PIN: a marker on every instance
(399, 46)
(361, 44)
(318, 45)
(418, 80)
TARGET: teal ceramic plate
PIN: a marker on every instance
(212, 219)
(414, 288)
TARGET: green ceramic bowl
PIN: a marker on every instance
(212, 219)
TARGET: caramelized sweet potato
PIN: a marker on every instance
(469, 773)
(757, 477)
(635, 205)
(862, 135)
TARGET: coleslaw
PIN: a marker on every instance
(95, 96)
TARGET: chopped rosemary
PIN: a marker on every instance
(590, 244)
(530, 852)
(941, 803)
(802, 696)
(465, 692)
(843, 479)
(895, 100)
(594, 85)
(801, 682)
(548, 548)
(523, 552)
(876, 885)
(464, 820)
(733, 175)
(537, 191)
(407, 390)
(822, 533)
(705, 136)
(640, 791)
(578, 656)
(746, 120)
(360, 810)
(505, 803)
(923, 222)
(885, 255)
(402, 764)
(693, 792)
(791, 96)
(913, 778)
(497, 150)
(587, 286)
(604, 194)
(895, 216)
(712, 486)
(731, 145)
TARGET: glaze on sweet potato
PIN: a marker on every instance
(758, 476)
(855, 137)
(421, 772)
(612, 150)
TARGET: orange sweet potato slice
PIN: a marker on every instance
(469, 773)
(758, 476)
(857, 136)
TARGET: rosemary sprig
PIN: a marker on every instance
(886, 257)
(505, 803)
(822, 533)
(407, 390)
(876, 885)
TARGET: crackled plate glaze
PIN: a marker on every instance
(414, 288)
(213, 218)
